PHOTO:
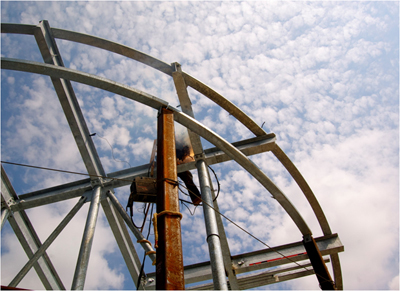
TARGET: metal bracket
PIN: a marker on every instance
(97, 182)
(199, 156)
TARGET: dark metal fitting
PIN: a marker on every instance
(307, 238)
(97, 182)
(199, 156)
(211, 235)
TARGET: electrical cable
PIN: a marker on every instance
(219, 186)
(144, 258)
(238, 226)
(112, 150)
(250, 234)
(65, 171)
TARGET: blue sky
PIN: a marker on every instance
(323, 76)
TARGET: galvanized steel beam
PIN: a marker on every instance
(123, 239)
(264, 259)
(69, 102)
(78, 282)
(139, 236)
(149, 61)
(219, 257)
(125, 177)
(21, 274)
(28, 238)
(180, 117)
(266, 277)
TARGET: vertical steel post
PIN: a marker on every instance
(87, 241)
(169, 263)
(321, 271)
(213, 240)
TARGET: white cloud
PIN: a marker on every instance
(322, 76)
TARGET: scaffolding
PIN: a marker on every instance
(223, 268)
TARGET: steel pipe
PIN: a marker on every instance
(139, 236)
(87, 241)
(5, 213)
(214, 244)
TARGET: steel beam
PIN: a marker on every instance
(149, 61)
(220, 258)
(179, 117)
(21, 274)
(213, 240)
(139, 236)
(123, 239)
(169, 263)
(320, 269)
(69, 102)
(266, 277)
(263, 259)
(5, 212)
(28, 238)
(87, 241)
(125, 177)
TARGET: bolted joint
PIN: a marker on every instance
(97, 182)
(199, 156)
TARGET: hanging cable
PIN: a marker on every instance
(112, 150)
(219, 186)
(144, 258)
(65, 171)
(172, 181)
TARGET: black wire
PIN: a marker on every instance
(64, 171)
(219, 186)
(144, 258)
(273, 249)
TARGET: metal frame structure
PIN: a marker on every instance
(223, 268)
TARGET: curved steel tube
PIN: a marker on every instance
(200, 87)
(180, 117)
(145, 59)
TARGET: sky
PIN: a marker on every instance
(322, 76)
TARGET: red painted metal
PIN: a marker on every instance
(169, 262)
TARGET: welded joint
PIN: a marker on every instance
(176, 67)
(97, 182)
(88, 195)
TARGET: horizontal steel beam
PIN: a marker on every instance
(117, 179)
(180, 117)
(262, 259)
(265, 278)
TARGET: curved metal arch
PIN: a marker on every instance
(201, 88)
(180, 117)
(131, 53)
(192, 82)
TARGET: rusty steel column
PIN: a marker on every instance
(320, 269)
(169, 262)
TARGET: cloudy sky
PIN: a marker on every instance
(323, 76)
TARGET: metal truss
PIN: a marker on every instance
(98, 190)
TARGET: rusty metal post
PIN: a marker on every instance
(320, 269)
(169, 262)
